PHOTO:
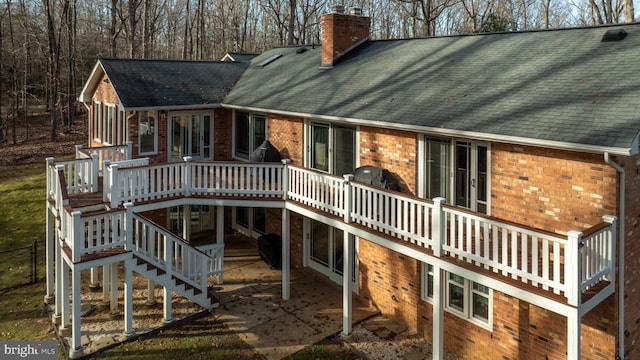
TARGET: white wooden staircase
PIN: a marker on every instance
(173, 263)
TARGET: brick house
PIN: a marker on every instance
(515, 155)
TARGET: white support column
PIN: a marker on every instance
(168, 259)
(50, 247)
(438, 313)
(167, 306)
(113, 302)
(186, 222)
(573, 335)
(94, 283)
(106, 283)
(65, 297)
(151, 293)
(76, 333)
(286, 256)
(220, 233)
(347, 285)
(128, 299)
(57, 313)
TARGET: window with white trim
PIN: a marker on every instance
(331, 148)
(97, 127)
(147, 133)
(249, 132)
(456, 169)
(108, 123)
(121, 128)
(462, 297)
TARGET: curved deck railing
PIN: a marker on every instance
(564, 265)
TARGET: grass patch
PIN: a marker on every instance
(22, 205)
(22, 315)
(22, 221)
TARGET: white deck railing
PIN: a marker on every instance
(106, 153)
(216, 253)
(80, 175)
(317, 190)
(565, 265)
(146, 183)
(169, 253)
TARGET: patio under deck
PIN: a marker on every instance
(251, 306)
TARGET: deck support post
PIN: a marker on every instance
(347, 285)
(128, 298)
(438, 313)
(106, 283)
(64, 325)
(151, 297)
(166, 301)
(57, 313)
(286, 257)
(573, 335)
(50, 247)
(186, 222)
(220, 234)
(113, 289)
(94, 283)
(76, 344)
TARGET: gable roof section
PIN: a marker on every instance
(239, 57)
(561, 88)
(166, 84)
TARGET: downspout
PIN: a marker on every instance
(133, 113)
(621, 221)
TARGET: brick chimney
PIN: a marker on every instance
(342, 32)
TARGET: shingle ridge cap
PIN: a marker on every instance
(165, 60)
(562, 29)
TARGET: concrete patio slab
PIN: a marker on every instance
(253, 307)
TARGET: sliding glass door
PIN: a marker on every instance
(191, 135)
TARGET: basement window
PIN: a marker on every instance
(464, 298)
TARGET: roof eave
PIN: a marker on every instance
(92, 82)
(173, 107)
(561, 145)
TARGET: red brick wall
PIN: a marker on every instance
(393, 150)
(392, 283)
(631, 257)
(286, 134)
(550, 189)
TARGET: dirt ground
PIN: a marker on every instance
(38, 145)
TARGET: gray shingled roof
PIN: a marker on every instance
(561, 86)
(241, 57)
(171, 83)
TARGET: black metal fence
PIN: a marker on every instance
(19, 266)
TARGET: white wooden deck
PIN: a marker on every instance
(570, 267)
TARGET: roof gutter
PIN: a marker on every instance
(621, 212)
(171, 108)
(594, 149)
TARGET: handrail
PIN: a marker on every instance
(533, 256)
(106, 153)
(169, 253)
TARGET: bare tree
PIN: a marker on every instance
(53, 65)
